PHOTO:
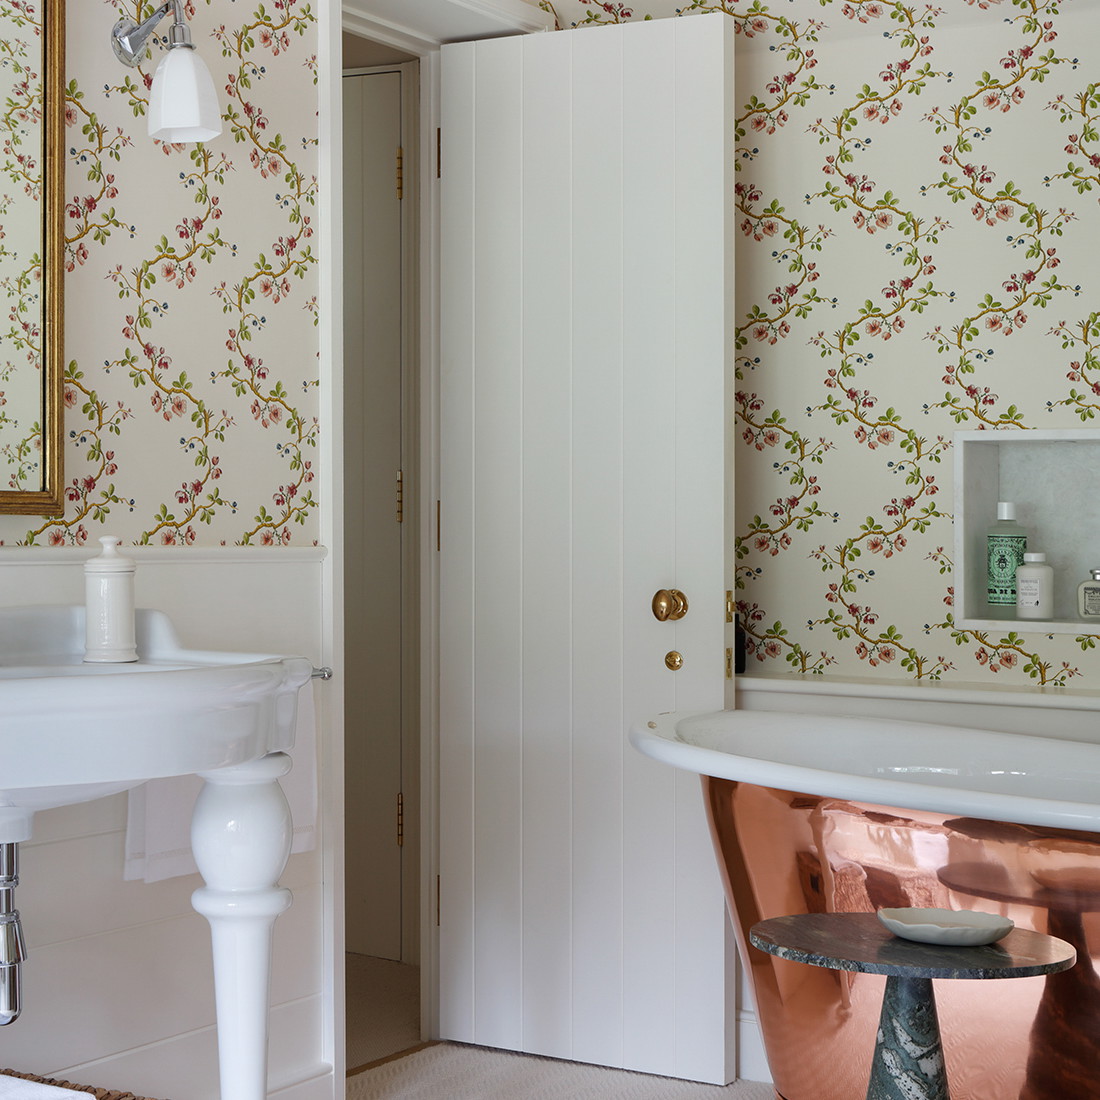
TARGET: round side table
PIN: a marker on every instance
(908, 1059)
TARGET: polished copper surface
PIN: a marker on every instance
(781, 852)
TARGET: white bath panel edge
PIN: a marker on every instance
(752, 1061)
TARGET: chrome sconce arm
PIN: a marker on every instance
(131, 40)
(183, 105)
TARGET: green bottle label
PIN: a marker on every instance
(1006, 552)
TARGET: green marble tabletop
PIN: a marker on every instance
(859, 942)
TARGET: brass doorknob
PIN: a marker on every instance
(669, 603)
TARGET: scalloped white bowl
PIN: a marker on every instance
(949, 927)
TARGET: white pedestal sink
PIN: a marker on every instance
(73, 732)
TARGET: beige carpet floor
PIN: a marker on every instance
(383, 1008)
(383, 1020)
(449, 1071)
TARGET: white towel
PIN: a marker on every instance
(15, 1088)
(158, 824)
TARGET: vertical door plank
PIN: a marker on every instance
(597, 549)
(652, 395)
(457, 792)
(498, 564)
(547, 559)
(702, 63)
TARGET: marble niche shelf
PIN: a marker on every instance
(1053, 477)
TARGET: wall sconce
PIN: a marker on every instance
(183, 105)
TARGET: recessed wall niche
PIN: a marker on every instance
(1053, 477)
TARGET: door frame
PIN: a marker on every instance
(419, 27)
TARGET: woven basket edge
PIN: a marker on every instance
(99, 1094)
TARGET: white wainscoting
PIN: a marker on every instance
(118, 984)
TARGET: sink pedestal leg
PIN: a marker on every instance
(240, 834)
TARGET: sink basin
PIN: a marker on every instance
(70, 732)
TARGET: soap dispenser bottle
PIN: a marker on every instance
(1006, 542)
(109, 631)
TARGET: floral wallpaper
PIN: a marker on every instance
(191, 290)
(917, 208)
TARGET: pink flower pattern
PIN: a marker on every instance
(199, 320)
(900, 233)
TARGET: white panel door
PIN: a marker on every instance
(587, 286)
(373, 454)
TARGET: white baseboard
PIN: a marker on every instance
(321, 1087)
(752, 1062)
(187, 1065)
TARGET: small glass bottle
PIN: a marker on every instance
(109, 628)
(1088, 596)
(1006, 542)
(1035, 588)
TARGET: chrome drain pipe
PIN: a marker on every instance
(13, 950)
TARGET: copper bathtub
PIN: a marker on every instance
(828, 847)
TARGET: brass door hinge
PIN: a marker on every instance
(400, 819)
(400, 173)
(729, 664)
(730, 606)
(400, 496)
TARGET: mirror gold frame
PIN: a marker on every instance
(47, 498)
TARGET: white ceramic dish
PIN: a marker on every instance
(950, 927)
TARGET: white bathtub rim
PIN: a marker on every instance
(658, 738)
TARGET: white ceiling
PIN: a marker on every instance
(421, 25)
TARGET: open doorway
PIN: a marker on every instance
(381, 551)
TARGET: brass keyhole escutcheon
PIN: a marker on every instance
(674, 661)
(669, 603)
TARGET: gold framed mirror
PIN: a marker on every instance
(32, 180)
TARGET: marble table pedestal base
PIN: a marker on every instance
(908, 1060)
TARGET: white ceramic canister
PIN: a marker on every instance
(109, 633)
(1035, 588)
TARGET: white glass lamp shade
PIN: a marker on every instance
(183, 105)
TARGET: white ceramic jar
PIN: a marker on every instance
(1035, 588)
(109, 631)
